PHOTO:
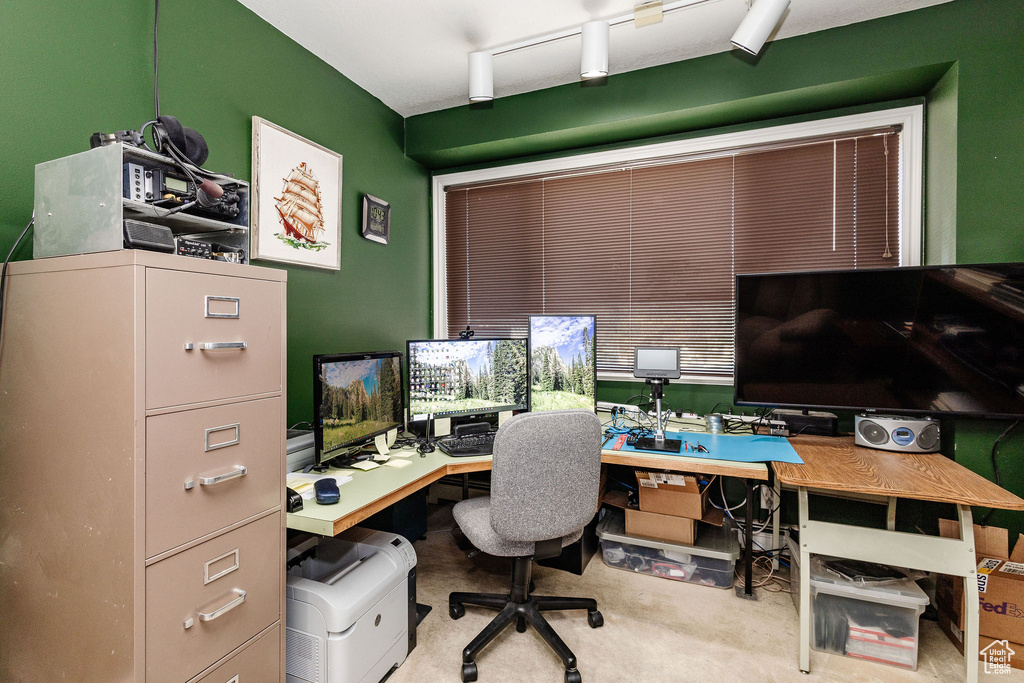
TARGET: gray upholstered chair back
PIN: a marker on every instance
(545, 474)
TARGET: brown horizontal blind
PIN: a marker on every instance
(653, 250)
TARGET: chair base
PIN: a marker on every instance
(519, 606)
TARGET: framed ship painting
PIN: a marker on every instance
(296, 199)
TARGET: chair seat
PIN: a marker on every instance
(474, 518)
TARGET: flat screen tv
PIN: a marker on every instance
(356, 397)
(466, 377)
(934, 340)
(563, 362)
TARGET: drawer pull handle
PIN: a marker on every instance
(229, 299)
(215, 346)
(221, 478)
(224, 444)
(221, 611)
(224, 572)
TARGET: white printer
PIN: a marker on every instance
(351, 607)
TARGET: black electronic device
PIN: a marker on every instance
(941, 340)
(186, 247)
(327, 492)
(163, 185)
(466, 377)
(563, 362)
(149, 236)
(356, 397)
(294, 500)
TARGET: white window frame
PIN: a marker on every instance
(911, 119)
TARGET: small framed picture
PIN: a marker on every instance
(376, 219)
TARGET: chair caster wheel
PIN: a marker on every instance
(469, 671)
(573, 676)
(595, 619)
(456, 610)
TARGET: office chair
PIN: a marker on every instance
(544, 486)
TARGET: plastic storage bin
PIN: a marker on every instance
(877, 622)
(710, 562)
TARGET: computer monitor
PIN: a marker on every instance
(563, 362)
(356, 397)
(466, 377)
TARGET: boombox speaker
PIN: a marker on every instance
(896, 433)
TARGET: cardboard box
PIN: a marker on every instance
(659, 527)
(1000, 584)
(670, 493)
(947, 623)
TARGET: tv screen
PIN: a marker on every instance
(466, 377)
(563, 362)
(356, 396)
(937, 339)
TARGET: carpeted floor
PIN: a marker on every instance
(654, 629)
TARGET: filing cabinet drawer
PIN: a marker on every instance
(233, 325)
(206, 601)
(211, 467)
(259, 662)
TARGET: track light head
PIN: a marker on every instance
(757, 25)
(594, 53)
(481, 77)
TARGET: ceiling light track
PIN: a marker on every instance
(760, 20)
(578, 30)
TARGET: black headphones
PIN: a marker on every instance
(170, 137)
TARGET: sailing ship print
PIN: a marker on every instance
(300, 210)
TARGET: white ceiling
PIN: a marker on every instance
(412, 54)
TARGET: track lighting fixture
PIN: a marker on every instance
(757, 25)
(481, 77)
(594, 53)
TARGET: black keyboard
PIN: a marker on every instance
(467, 445)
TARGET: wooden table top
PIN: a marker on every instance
(836, 464)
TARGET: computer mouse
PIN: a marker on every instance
(327, 492)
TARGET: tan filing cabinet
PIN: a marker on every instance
(142, 456)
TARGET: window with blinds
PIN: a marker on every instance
(652, 249)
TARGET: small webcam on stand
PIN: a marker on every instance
(466, 333)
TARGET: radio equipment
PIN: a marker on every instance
(118, 196)
(897, 433)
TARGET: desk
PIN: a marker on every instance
(835, 465)
(370, 492)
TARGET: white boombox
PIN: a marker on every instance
(897, 433)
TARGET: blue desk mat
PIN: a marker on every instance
(731, 447)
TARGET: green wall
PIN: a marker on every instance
(71, 69)
(964, 59)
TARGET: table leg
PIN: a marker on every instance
(971, 603)
(465, 486)
(890, 515)
(805, 586)
(748, 556)
(776, 519)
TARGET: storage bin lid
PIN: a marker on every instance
(900, 593)
(712, 541)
